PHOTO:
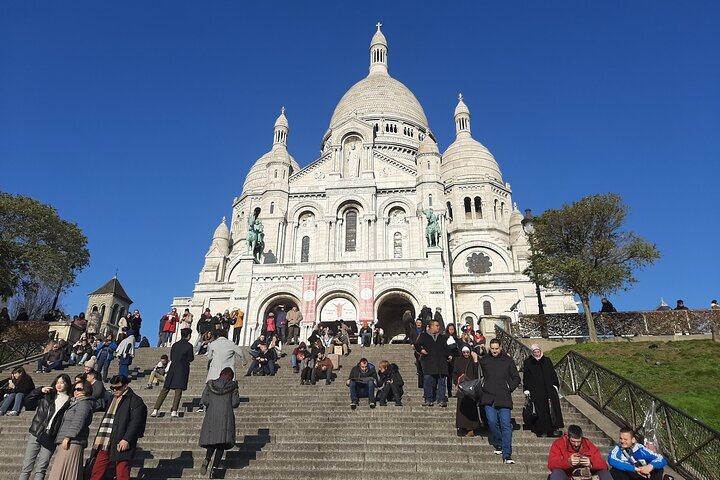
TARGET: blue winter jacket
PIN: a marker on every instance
(624, 459)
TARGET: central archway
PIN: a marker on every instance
(391, 308)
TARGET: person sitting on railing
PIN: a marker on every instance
(632, 460)
(571, 452)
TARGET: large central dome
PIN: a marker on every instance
(379, 95)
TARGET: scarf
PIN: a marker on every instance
(102, 441)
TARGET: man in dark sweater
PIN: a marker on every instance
(362, 382)
(500, 379)
(432, 348)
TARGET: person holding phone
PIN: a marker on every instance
(571, 452)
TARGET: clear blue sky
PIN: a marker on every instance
(139, 120)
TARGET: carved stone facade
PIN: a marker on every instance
(350, 225)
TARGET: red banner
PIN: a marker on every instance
(309, 298)
(367, 297)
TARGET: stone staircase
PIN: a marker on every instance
(286, 430)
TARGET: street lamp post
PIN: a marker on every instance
(528, 228)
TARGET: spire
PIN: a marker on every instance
(378, 53)
(282, 129)
(462, 119)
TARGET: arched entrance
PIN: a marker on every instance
(390, 312)
(280, 301)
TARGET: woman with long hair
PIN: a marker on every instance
(72, 436)
(220, 397)
(52, 402)
(16, 388)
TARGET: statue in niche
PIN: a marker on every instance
(255, 238)
(352, 155)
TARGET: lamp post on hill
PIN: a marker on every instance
(528, 228)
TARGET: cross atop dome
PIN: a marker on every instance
(378, 25)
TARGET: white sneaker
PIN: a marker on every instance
(174, 414)
(154, 413)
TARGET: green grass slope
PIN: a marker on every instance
(686, 374)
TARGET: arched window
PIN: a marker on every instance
(495, 209)
(449, 210)
(305, 250)
(272, 208)
(351, 230)
(502, 207)
(478, 207)
(430, 200)
(397, 245)
(102, 314)
(468, 208)
(275, 173)
(487, 308)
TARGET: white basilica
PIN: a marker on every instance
(344, 236)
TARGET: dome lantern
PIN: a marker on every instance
(378, 53)
(281, 129)
(462, 119)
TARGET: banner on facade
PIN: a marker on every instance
(309, 298)
(367, 297)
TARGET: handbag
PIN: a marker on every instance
(472, 388)
(529, 413)
(583, 473)
(90, 464)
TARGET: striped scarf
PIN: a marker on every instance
(102, 441)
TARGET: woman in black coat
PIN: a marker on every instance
(540, 383)
(51, 405)
(465, 367)
(220, 397)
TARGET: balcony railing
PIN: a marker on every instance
(573, 325)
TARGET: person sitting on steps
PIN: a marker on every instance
(362, 382)
(264, 363)
(632, 460)
(158, 373)
(297, 351)
(323, 369)
(390, 383)
(572, 451)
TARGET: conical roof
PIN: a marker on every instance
(112, 287)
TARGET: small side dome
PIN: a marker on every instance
(222, 231)
(428, 146)
(461, 107)
(282, 120)
(516, 217)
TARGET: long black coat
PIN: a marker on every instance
(501, 378)
(181, 355)
(129, 425)
(220, 396)
(466, 412)
(540, 378)
(435, 362)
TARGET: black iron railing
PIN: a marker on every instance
(13, 351)
(691, 447)
(512, 346)
(574, 325)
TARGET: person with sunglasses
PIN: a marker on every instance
(72, 437)
(51, 405)
(120, 429)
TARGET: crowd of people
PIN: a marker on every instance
(445, 359)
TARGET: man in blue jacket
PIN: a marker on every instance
(631, 460)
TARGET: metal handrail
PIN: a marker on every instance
(512, 346)
(691, 447)
(14, 351)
